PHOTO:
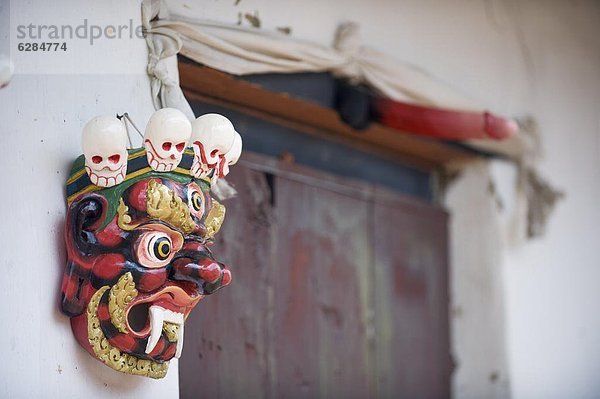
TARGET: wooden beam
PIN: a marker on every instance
(208, 85)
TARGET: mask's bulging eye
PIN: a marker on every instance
(161, 248)
(196, 201)
(154, 249)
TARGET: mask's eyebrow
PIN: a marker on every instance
(164, 204)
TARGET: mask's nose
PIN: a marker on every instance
(199, 268)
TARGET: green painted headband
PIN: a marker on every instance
(79, 182)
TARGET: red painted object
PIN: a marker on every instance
(138, 263)
(442, 123)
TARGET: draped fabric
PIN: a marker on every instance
(163, 46)
(242, 51)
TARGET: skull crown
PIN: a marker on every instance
(104, 142)
(166, 137)
(215, 144)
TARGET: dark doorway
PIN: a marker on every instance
(340, 290)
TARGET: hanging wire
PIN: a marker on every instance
(120, 117)
(126, 118)
(126, 115)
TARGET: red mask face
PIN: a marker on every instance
(137, 265)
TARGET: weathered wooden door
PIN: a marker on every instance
(339, 290)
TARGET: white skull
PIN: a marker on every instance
(104, 142)
(212, 137)
(167, 135)
(231, 157)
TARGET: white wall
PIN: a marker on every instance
(552, 284)
(41, 119)
(477, 309)
(526, 312)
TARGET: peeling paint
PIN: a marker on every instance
(253, 19)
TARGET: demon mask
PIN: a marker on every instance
(138, 262)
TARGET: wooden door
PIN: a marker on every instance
(339, 291)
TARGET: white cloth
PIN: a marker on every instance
(163, 46)
(242, 51)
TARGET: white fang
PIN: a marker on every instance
(159, 315)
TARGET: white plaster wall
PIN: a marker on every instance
(524, 313)
(551, 284)
(477, 309)
(41, 119)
